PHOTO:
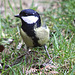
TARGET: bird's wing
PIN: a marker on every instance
(43, 34)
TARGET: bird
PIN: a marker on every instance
(32, 32)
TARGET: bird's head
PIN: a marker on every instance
(29, 16)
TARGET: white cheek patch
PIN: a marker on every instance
(30, 19)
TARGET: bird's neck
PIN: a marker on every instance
(30, 27)
(27, 27)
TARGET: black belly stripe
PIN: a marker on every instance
(31, 33)
(35, 41)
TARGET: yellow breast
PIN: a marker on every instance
(42, 33)
(28, 41)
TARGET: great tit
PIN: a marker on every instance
(32, 32)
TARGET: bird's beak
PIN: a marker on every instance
(17, 16)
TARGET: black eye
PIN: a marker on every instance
(26, 14)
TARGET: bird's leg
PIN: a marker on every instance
(47, 51)
(27, 53)
(51, 62)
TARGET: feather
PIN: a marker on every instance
(43, 34)
(28, 40)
